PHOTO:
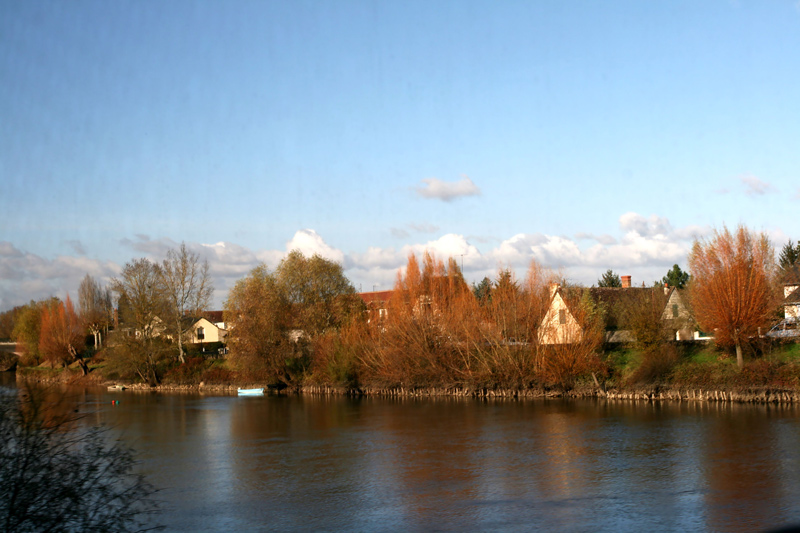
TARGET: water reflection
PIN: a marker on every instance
(315, 463)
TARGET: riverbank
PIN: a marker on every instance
(756, 395)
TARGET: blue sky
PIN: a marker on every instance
(585, 135)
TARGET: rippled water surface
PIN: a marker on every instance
(313, 463)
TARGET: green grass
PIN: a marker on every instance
(704, 355)
(786, 353)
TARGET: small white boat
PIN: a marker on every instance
(116, 387)
(251, 392)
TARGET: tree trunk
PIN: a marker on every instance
(739, 357)
(181, 356)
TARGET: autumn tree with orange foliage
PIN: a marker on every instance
(62, 336)
(732, 287)
(437, 333)
(515, 311)
(431, 329)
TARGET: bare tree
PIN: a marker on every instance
(94, 302)
(188, 289)
(731, 289)
(142, 303)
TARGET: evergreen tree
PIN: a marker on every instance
(609, 279)
(676, 277)
(790, 257)
(483, 290)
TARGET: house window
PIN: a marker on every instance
(562, 316)
(674, 310)
(200, 334)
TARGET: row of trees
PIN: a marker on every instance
(274, 317)
(439, 330)
(435, 331)
(305, 319)
(153, 300)
(55, 331)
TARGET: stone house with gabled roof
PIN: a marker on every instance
(560, 325)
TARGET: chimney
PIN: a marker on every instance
(554, 289)
(666, 288)
(626, 282)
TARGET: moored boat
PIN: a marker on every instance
(250, 392)
(116, 387)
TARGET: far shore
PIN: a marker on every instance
(652, 393)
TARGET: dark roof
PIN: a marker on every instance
(612, 299)
(793, 298)
(213, 316)
(791, 276)
(376, 297)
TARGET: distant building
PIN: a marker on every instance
(377, 303)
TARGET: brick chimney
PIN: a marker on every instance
(626, 282)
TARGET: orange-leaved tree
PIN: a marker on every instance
(732, 287)
(62, 334)
(430, 331)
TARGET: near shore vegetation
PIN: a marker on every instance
(303, 324)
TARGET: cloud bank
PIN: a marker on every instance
(646, 247)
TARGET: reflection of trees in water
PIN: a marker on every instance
(295, 456)
(559, 463)
(58, 476)
(748, 477)
(338, 463)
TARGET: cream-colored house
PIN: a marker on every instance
(559, 325)
(205, 331)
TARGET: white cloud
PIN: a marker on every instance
(755, 186)
(647, 227)
(447, 191)
(310, 243)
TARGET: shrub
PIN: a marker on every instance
(188, 373)
(656, 364)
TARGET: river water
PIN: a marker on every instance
(336, 464)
